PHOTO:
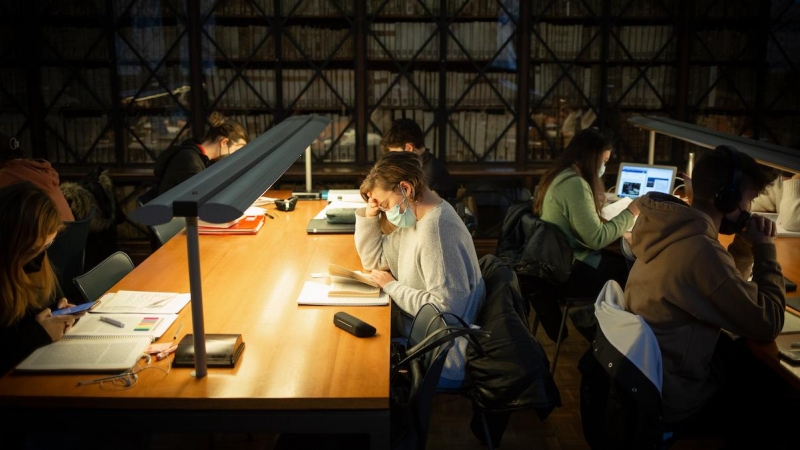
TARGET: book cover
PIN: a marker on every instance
(222, 350)
(247, 225)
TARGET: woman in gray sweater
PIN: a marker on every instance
(418, 249)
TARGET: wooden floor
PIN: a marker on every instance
(561, 430)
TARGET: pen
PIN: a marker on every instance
(114, 322)
(178, 331)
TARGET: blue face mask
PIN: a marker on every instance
(406, 219)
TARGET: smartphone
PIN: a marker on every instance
(77, 308)
(793, 355)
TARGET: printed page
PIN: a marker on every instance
(317, 294)
(92, 324)
(87, 354)
(611, 210)
(142, 302)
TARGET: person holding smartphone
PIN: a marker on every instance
(29, 221)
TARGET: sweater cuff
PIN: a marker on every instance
(765, 252)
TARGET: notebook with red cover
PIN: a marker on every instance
(247, 225)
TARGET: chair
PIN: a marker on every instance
(100, 278)
(541, 256)
(160, 234)
(621, 377)
(507, 371)
(67, 254)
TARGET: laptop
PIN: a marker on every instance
(634, 180)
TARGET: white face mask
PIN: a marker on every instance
(406, 219)
(601, 171)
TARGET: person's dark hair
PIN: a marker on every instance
(393, 168)
(713, 171)
(403, 131)
(583, 151)
(222, 126)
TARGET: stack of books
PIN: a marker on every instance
(242, 225)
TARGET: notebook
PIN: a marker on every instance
(634, 180)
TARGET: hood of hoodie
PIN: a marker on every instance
(663, 220)
(163, 160)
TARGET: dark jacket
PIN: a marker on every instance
(534, 247)
(437, 176)
(514, 373)
(19, 340)
(177, 164)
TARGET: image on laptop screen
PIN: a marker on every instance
(634, 179)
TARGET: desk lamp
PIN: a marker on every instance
(222, 193)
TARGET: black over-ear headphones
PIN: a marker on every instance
(729, 197)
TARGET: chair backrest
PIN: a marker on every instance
(621, 379)
(160, 234)
(410, 422)
(67, 254)
(100, 278)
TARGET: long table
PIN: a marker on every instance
(789, 259)
(298, 372)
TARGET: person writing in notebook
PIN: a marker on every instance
(571, 196)
(429, 257)
(687, 288)
(29, 221)
(177, 164)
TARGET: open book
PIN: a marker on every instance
(87, 353)
(351, 283)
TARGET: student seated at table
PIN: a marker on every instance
(405, 135)
(429, 257)
(687, 288)
(29, 221)
(782, 196)
(571, 195)
(179, 163)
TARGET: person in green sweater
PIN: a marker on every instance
(571, 195)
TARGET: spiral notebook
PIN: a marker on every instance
(317, 294)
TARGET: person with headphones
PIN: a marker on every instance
(177, 164)
(686, 286)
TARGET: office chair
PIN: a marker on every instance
(67, 255)
(160, 234)
(100, 278)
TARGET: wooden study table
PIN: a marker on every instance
(298, 372)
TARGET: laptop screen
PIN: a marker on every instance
(634, 180)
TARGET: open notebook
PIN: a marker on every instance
(634, 180)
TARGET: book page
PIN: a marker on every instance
(317, 294)
(341, 274)
(87, 354)
(154, 325)
(611, 210)
(142, 302)
(348, 288)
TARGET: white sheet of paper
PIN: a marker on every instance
(611, 210)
